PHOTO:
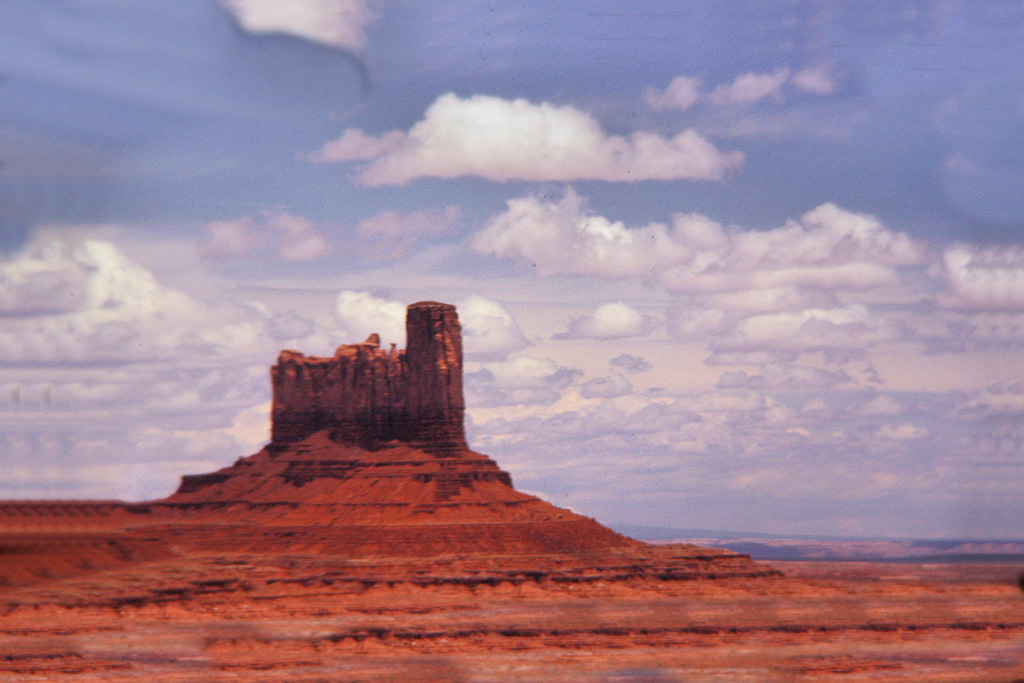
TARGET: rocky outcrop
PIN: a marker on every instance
(368, 462)
(367, 396)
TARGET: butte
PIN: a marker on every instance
(368, 476)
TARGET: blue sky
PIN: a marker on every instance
(741, 265)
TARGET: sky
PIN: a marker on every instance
(738, 265)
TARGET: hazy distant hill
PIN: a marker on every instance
(774, 547)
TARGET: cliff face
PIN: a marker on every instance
(367, 396)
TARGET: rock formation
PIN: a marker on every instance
(368, 461)
(367, 396)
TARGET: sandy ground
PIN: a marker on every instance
(249, 618)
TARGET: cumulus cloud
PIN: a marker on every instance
(1000, 398)
(851, 328)
(355, 145)
(610, 321)
(828, 247)
(361, 314)
(489, 332)
(108, 308)
(390, 234)
(985, 279)
(680, 94)
(45, 278)
(808, 285)
(338, 23)
(518, 140)
(523, 380)
(750, 88)
(561, 237)
(292, 238)
(124, 371)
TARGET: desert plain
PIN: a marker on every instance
(367, 542)
(301, 617)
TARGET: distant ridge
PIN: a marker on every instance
(840, 548)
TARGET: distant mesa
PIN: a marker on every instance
(367, 461)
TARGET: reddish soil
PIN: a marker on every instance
(303, 617)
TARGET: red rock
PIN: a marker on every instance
(366, 396)
(368, 459)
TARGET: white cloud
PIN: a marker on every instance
(787, 297)
(44, 278)
(489, 332)
(829, 248)
(355, 145)
(339, 23)
(1000, 398)
(288, 325)
(816, 80)
(812, 284)
(680, 94)
(109, 309)
(518, 140)
(684, 92)
(750, 88)
(610, 321)
(562, 238)
(985, 279)
(523, 380)
(361, 314)
(690, 322)
(293, 238)
(127, 372)
(851, 327)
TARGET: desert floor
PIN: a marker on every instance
(253, 618)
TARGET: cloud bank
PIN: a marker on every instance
(505, 140)
(828, 247)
